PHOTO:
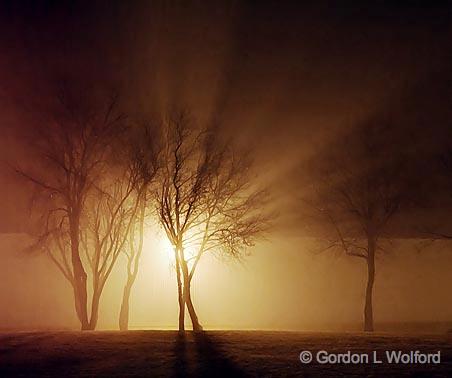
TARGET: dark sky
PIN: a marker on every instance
(288, 78)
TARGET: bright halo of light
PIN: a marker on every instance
(157, 241)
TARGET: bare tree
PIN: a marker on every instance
(133, 252)
(143, 159)
(68, 152)
(105, 228)
(358, 191)
(205, 202)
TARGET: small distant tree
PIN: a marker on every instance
(68, 151)
(205, 202)
(356, 193)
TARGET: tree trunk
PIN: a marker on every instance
(191, 309)
(187, 295)
(368, 311)
(132, 274)
(124, 313)
(180, 295)
(80, 292)
(94, 310)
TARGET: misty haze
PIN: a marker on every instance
(210, 189)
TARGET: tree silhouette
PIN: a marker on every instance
(205, 202)
(142, 155)
(106, 225)
(357, 192)
(68, 151)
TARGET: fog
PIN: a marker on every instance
(282, 286)
(285, 83)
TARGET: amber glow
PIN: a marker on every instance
(164, 249)
(289, 86)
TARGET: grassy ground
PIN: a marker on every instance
(234, 354)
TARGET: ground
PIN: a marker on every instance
(213, 353)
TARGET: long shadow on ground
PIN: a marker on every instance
(207, 357)
(213, 354)
(180, 353)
